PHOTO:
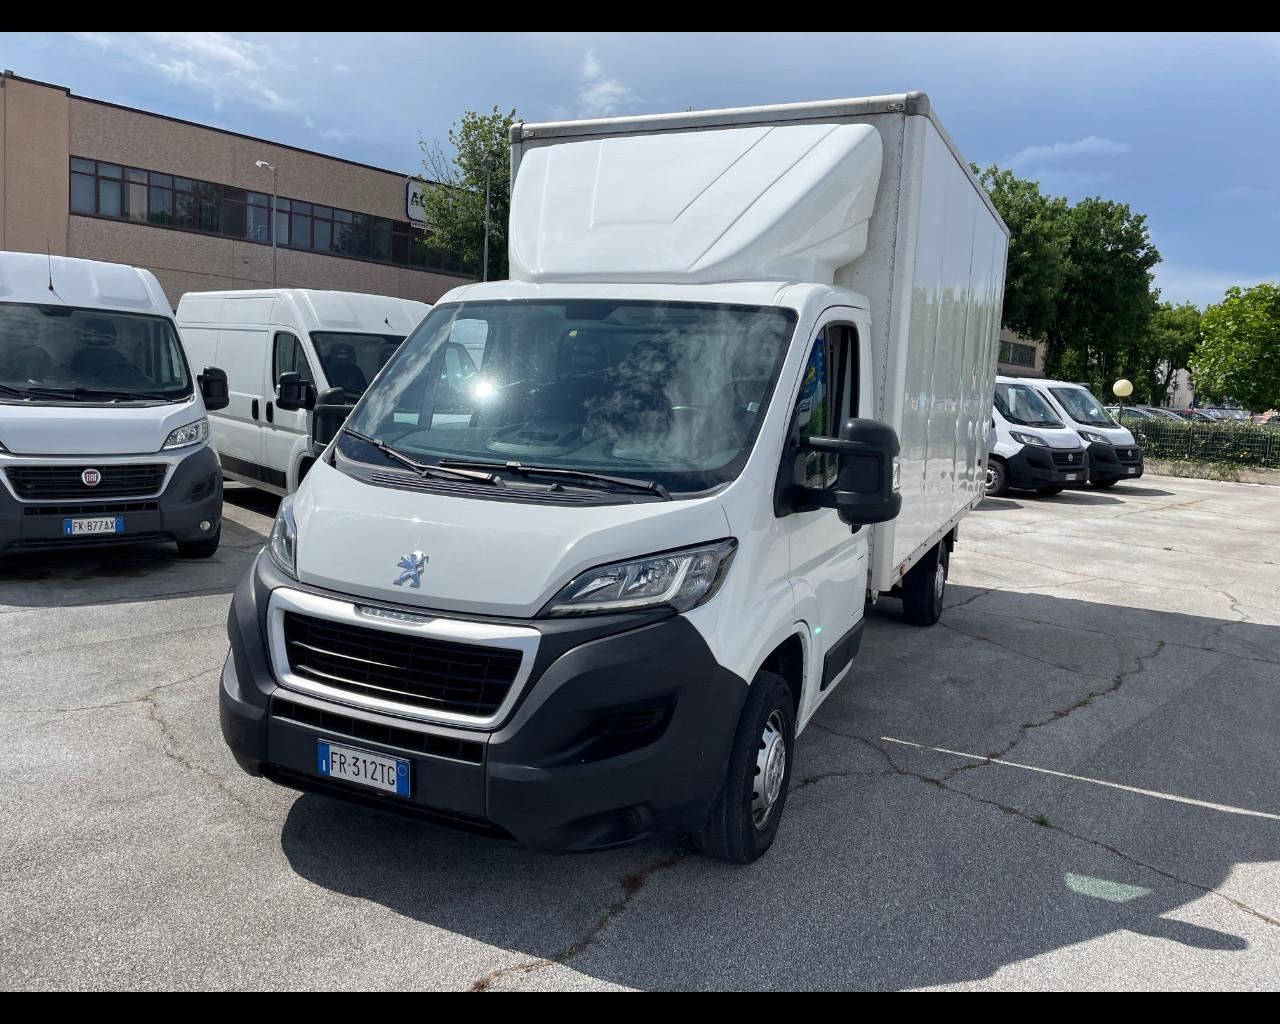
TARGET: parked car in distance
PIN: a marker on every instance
(1195, 415)
(320, 341)
(104, 437)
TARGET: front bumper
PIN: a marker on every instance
(191, 495)
(621, 732)
(1033, 468)
(1114, 462)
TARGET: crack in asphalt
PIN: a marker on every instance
(631, 886)
(142, 699)
(1041, 822)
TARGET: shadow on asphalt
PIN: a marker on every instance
(891, 871)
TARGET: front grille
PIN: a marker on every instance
(44, 483)
(435, 675)
(1129, 456)
(117, 508)
(1068, 460)
(359, 729)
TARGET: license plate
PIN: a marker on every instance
(1073, 476)
(105, 524)
(363, 767)
(1132, 470)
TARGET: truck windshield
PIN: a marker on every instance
(350, 361)
(1082, 407)
(1023, 405)
(63, 353)
(671, 392)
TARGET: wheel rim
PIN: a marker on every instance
(939, 579)
(991, 479)
(770, 770)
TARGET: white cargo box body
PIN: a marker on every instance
(869, 195)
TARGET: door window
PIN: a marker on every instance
(289, 357)
(824, 402)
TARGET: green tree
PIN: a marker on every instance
(1172, 334)
(1106, 301)
(1039, 234)
(1238, 356)
(454, 200)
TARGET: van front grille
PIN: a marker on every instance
(1069, 460)
(1129, 456)
(435, 675)
(45, 483)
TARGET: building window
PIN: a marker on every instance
(100, 189)
(1013, 354)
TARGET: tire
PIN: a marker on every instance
(997, 479)
(743, 820)
(924, 587)
(1049, 492)
(1104, 483)
(200, 548)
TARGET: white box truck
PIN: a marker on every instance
(738, 383)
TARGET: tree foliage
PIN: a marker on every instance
(1238, 356)
(1171, 337)
(454, 201)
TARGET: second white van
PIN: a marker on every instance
(1114, 453)
(332, 340)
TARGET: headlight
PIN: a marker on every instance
(283, 544)
(192, 433)
(1091, 438)
(682, 579)
(1028, 439)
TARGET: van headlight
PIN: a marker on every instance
(192, 433)
(1028, 439)
(680, 579)
(283, 544)
(1090, 437)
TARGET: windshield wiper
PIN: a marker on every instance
(581, 475)
(422, 468)
(80, 394)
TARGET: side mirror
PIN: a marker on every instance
(331, 410)
(293, 393)
(213, 388)
(868, 476)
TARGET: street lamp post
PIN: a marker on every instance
(488, 176)
(271, 168)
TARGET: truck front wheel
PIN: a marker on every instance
(997, 479)
(924, 586)
(744, 819)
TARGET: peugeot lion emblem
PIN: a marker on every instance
(413, 565)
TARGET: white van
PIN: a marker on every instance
(1031, 449)
(103, 433)
(330, 339)
(1114, 454)
(737, 386)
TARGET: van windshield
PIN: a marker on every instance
(351, 361)
(62, 353)
(673, 392)
(1023, 405)
(1082, 407)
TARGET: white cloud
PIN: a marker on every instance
(1056, 152)
(599, 95)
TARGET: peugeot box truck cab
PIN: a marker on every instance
(1114, 455)
(738, 383)
(329, 339)
(103, 433)
(1032, 449)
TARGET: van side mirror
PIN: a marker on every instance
(293, 393)
(213, 388)
(868, 479)
(330, 412)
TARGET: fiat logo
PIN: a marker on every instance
(91, 477)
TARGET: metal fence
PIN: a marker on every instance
(1243, 443)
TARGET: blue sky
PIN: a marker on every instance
(1182, 127)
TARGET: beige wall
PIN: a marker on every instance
(1014, 370)
(42, 126)
(34, 188)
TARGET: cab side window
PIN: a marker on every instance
(289, 357)
(824, 402)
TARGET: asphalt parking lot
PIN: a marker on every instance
(1072, 782)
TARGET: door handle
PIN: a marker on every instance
(270, 414)
(253, 409)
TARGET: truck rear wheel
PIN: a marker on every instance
(744, 818)
(924, 587)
